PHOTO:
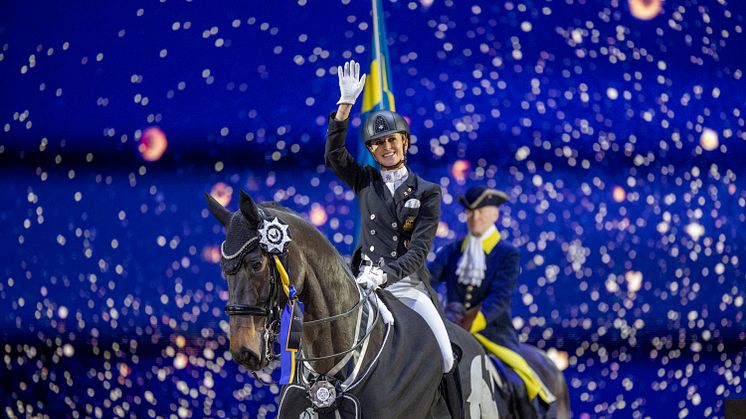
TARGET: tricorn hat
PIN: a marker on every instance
(481, 196)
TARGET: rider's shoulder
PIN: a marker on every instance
(505, 247)
(452, 247)
(427, 187)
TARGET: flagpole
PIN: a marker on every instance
(363, 156)
(377, 37)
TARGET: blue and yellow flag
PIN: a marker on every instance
(378, 90)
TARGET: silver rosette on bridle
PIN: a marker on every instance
(274, 236)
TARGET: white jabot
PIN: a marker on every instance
(394, 178)
(471, 266)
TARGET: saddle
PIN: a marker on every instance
(517, 374)
(513, 390)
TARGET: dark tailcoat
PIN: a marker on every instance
(494, 294)
(393, 233)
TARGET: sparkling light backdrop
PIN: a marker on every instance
(616, 127)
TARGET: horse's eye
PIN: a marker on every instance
(256, 266)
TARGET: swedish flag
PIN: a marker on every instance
(378, 90)
(377, 94)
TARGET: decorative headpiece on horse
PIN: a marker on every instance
(244, 229)
(274, 236)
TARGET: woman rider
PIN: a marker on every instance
(400, 213)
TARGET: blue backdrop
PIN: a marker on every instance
(617, 138)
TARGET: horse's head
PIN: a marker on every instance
(254, 290)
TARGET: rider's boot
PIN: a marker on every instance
(450, 387)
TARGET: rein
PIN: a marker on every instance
(357, 344)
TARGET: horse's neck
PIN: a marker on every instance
(329, 289)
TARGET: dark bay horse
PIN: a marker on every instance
(351, 363)
(372, 369)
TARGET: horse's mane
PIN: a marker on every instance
(318, 243)
(276, 206)
(303, 223)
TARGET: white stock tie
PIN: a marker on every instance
(472, 266)
(394, 178)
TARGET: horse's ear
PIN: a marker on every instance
(218, 211)
(249, 209)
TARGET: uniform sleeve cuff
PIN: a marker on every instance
(479, 323)
(337, 124)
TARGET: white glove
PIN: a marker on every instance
(371, 278)
(350, 82)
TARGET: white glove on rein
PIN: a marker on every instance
(371, 278)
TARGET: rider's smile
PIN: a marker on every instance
(389, 151)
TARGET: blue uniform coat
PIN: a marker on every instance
(494, 294)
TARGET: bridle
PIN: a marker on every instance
(243, 309)
(230, 265)
(272, 308)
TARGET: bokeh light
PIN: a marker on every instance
(615, 127)
(459, 170)
(695, 230)
(709, 139)
(560, 358)
(152, 144)
(222, 193)
(634, 280)
(645, 9)
(318, 215)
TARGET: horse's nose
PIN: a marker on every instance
(247, 357)
(248, 354)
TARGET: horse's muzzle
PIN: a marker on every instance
(249, 358)
(247, 342)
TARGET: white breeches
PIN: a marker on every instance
(419, 301)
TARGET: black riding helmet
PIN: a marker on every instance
(382, 123)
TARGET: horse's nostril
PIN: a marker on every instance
(246, 354)
(246, 357)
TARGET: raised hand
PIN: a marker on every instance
(350, 82)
